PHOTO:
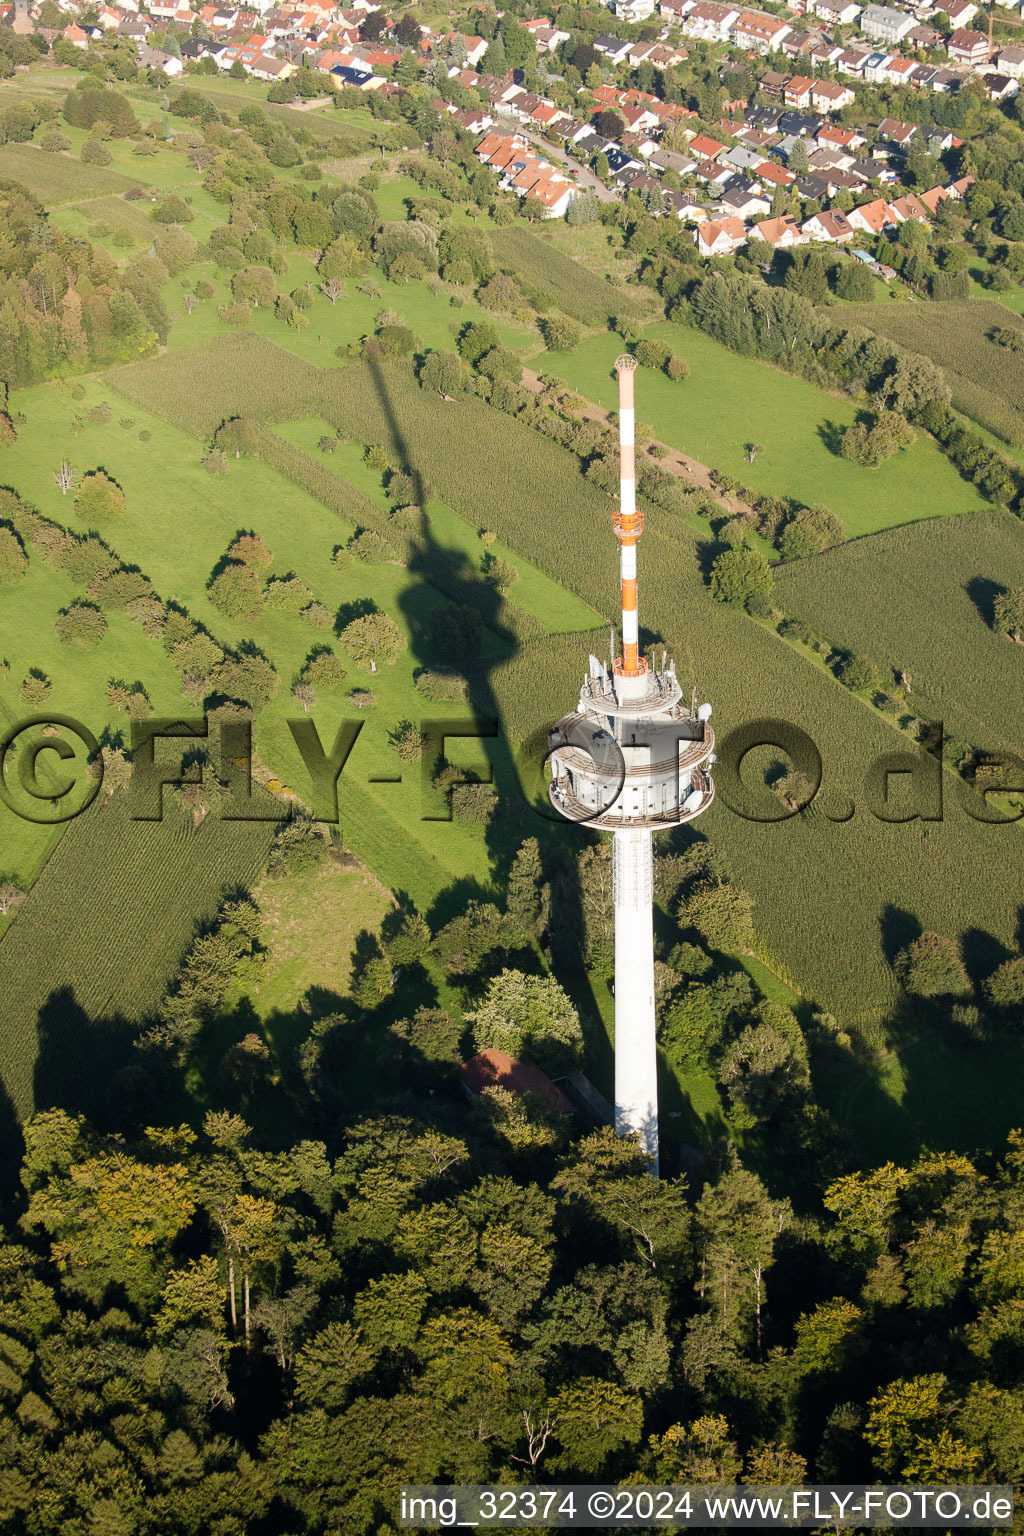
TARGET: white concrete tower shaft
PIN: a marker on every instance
(636, 1055)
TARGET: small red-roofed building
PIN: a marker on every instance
(497, 1069)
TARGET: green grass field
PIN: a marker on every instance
(580, 292)
(729, 400)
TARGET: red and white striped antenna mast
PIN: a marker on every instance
(628, 522)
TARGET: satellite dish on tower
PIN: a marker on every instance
(704, 713)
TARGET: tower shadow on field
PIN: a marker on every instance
(449, 574)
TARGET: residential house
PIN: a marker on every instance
(832, 226)
(933, 198)
(709, 21)
(743, 202)
(968, 47)
(999, 87)
(960, 12)
(613, 48)
(720, 237)
(632, 10)
(884, 23)
(851, 62)
(833, 137)
(686, 207)
(922, 38)
(497, 1069)
(896, 134)
(874, 218)
(759, 32)
(670, 160)
(876, 68)
(764, 119)
(936, 140)
(812, 188)
(773, 82)
(800, 123)
(831, 96)
(1010, 61)
(153, 58)
(910, 207)
(774, 175)
(780, 234)
(705, 148)
(797, 91)
(901, 70)
(741, 159)
(834, 13)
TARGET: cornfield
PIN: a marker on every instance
(58, 179)
(987, 380)
(918, 600)
(108, 921)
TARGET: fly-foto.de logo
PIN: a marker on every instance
(52, 768)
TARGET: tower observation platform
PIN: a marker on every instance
(632, 759)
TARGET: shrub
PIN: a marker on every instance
(722, 915)
(99, 498)
(738, 574)
(298, 849)
(237, 591)
(286, 593)
(858, 673)
(318, 615)
(371, 547)
(652, 354)
(324, 670)
(373, 638)
(677, 368)
(932, 966)
(35, 690)
(1004, 989)
(95, 152)
(441, 686)
(409, 741)
(13, 559)
(474, 802)
(81, 624)
(530, 1017)
(560, 333)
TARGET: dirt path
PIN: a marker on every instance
(692, 471)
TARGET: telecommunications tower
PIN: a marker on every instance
(632, 760)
